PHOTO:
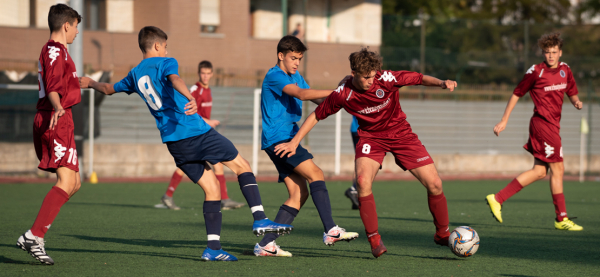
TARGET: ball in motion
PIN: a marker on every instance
(464, 241)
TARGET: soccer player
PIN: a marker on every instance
(283, 90)
(372, 96)
(53, 129)
(547, 83)
(351, 192)
(190, 140)
(203, 95)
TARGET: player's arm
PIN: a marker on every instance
(179, 86)
(54, 98)
(305, 94)
(575, 101)
(212, 122)
(431, 81)
(512, 102)
(289, 148)
(105, 88)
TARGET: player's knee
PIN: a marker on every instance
(316, 175)
(540, 174)
(362, 181)
(435, 186)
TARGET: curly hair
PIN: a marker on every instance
(550, 40)
(365, 61)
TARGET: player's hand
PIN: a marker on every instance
(288, 148)
(499, 127)
(57, 114)
(578, 105)
(84, 82)
(213, 122)
(191, 107)
(343, 81)
(449, 84)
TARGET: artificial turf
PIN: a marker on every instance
(114, 230)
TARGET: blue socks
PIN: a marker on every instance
(213, 220)
(250, 190)
(320, 197)
(285, 215)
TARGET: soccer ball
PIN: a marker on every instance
(464, 241)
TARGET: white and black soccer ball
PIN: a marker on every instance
(463, 241)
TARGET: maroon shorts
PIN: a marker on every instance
(407, 149)
(544, 141)
(55, 148)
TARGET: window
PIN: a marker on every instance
(210, 16)
(95, 14)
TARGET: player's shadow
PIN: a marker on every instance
(515, 275)
(113, 205)
(5, 260)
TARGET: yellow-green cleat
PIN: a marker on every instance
(495, 207)
(567, 225)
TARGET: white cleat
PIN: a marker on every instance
(35, 247)
(336, 234)
(271, 249)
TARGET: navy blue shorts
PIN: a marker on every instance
(191, 154)
(285, 166)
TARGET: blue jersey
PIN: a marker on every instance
(280, 111)
(354, 126)
(149, 80)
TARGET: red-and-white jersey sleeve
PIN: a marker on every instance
(333, 103)
(528, 81)
(392, 80)
(571, 85)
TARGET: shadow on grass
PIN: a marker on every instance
(6, 260)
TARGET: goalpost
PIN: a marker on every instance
(256, 138)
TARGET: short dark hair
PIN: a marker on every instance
(290, 44)
(365, 61)
(204, 64)
(550, 40)
(60, 14)
(149, 35)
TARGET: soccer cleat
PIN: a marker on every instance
(352, 194)
(495, 206)
(336, 234)
(567, 225)
(260, 227)
(270, 250)
(228, 204)
(35, 247)
(217, 255)
(377, 248)
(168, 201)
(439, 240)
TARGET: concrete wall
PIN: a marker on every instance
(154, 160)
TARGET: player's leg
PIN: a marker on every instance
(298, 194)
(351, 192)
(32, 241)
(167, 198)
(366, 170)
(429, 177)
(249, 188)
(526, 178)
(558, 199)
(226, 202)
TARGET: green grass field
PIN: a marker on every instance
(114, 230)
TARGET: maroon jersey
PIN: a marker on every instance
(547, 87)
(378, 109)
(203, 98)
(56, 72)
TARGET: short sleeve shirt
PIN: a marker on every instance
(547, 87)
(149, 80)
(279, 111)
(378, 109)
(203, 98)
(57, 73)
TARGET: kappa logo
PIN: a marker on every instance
(48, 227)
(562, 73)
(53, 53)
(59, 151)
(380, 93)
(549, 150)
(531, 69)
(74, 74)
(387, 76)
(372, 235)
(340, 88)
